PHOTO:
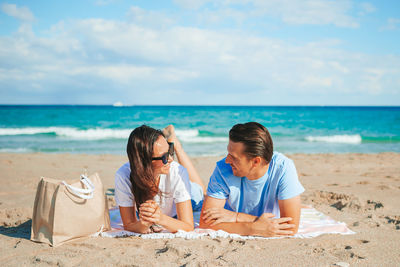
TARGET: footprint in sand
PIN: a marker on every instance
(393, 220)
(383, 187)
(353, 255)
(336, 200)
(374, 204)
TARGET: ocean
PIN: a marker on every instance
(203, 130)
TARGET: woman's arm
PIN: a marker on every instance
(131, 223)
(182, 157)
(153, 215)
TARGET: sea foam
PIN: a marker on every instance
(28, 130)
(345, 139)
(193, 136)
(186, 136)
(69, 132)
(15, 150)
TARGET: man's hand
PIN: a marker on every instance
(268, 227)
(215, 216)
(149, 212)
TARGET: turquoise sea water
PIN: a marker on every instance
(203, 130)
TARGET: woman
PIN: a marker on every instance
(154, 187)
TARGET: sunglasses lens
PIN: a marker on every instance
(171, 149)
(164, 158)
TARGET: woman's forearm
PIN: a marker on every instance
(137, 227)
(173, 225)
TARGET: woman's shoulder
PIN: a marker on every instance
(177, 171)
(123, 172)
(175, 168)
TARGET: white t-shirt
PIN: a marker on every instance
(175, 188)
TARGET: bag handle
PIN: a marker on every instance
(85, 193)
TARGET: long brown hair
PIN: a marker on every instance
(140, 152)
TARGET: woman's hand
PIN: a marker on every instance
(150, 212)
(215, 216)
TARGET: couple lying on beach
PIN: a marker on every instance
(252, 191)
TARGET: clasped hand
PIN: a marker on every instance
(267, 226)
(215, 216)
(149, 212)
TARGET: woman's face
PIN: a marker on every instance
(160, 148)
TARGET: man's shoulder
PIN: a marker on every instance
(224, 168)
(280, 160)
(280, 164)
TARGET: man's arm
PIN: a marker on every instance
(291, 208)
(216, 213)
(260, 226)
(231, 227)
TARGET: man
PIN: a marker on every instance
(253, 191)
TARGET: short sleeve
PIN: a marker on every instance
(289, 184)
(217, 188)
(123, 192)
(182, 186)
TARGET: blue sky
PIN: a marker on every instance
(200, 52)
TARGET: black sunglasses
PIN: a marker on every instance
(166, 155)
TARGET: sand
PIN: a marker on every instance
(362, 190)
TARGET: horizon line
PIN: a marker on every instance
(202, 105)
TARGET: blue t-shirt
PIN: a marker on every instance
(259, 196)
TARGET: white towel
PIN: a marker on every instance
(312, 223)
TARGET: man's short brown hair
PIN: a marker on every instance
(255, 138)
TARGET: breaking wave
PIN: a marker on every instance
(344, 139)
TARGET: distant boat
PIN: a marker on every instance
(118, 104)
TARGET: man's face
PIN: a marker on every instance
(241, 165)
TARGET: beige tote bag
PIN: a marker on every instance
(64, 212)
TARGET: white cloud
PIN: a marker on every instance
(295, 12)
(314, 81)
(191, 4)
(371, 80)
(367, 8)
(212, 17)
(316, 12)
(140, 16)
(21, 13)
(391, 24)
(105, 2)
(188, 63)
